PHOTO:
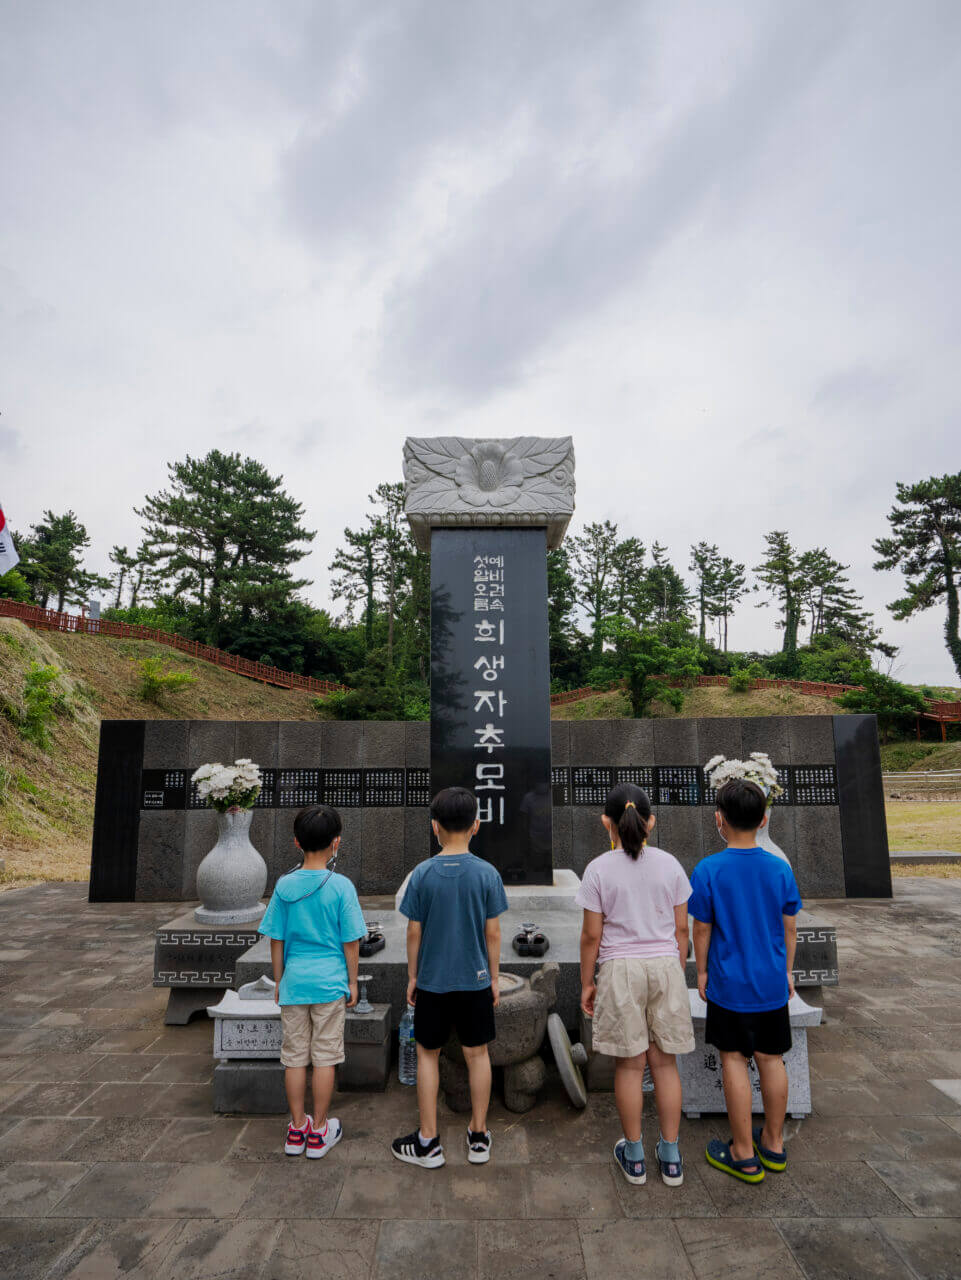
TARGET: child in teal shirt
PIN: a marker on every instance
(315, 924)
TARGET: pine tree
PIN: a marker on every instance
(227, 534)
(51, 561)
(665, 593)
(593, 560)
(925, 544)
(125, 563)
(730, 586)
(704, 557)
(781, 573)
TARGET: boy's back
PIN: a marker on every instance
(744, 895)
(452, 896)
(314, 912)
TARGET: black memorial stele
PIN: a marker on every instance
(490, 690)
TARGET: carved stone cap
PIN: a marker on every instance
(455, 483)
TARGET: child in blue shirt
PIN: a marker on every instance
(744, 903)
(452, 904)
(315, 924)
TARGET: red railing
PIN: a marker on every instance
(51, 620)
(943, 712)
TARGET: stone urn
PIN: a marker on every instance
(232, 877)
(520, 1021)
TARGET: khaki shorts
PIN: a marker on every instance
(639, 1001)
(313, 1033)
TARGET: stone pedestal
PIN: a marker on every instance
(700, 1071)
(249, 1079)
(196, 961)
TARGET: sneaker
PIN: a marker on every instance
(318, 1144)
(412, 1151)
(297, 1138)
(478, 1146)
(634, 1171)
(672, 1171)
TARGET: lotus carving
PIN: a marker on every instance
(453, 481)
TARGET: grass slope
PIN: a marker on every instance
(708, 701)
(46, 797)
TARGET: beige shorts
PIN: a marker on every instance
(639, 1001)
(313, 1033)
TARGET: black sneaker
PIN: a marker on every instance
(411, 1150)
(478, 1146)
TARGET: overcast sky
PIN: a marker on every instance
(716, 243)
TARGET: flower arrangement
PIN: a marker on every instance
(758, 768)
(228, 786)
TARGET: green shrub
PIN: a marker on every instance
(156, 679)
(39, 704)
(739, 681)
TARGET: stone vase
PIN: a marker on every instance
(766, 841)
(232, 877)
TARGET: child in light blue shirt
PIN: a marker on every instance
(315, 924)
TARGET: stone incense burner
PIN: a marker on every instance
(520, 1021)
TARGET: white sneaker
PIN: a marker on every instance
(478, 1146)
(318, 1144)
(297, 1138)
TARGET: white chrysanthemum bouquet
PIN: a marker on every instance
(758, 768)
(229, 786)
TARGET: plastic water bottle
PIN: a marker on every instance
(407, 1049)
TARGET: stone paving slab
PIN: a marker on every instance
(113, 1164)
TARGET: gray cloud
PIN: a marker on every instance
(714, 243)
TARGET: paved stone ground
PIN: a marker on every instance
(111, 1162)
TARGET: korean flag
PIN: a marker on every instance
(8, 552)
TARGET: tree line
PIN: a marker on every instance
(220, 547)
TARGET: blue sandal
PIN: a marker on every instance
(776, 1161)
(718, 1154)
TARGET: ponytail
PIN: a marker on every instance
(630, 808)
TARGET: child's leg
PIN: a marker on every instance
(667, 1091)
(629, 1094)
(428, 1082)
(479, 1070)
(773, 1075)
(295, 1083)
(737, 1096)
(322, 1087)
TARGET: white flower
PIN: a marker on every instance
(715, 760)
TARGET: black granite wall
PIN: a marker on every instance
(148, 842)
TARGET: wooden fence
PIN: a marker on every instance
(51, 620)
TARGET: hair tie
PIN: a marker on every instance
(630, 805)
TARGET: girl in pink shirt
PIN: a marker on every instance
(635, 928)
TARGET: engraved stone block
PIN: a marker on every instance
(452, 482)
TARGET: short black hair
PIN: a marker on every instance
(454, 809)
(742, 803)
(317, 827)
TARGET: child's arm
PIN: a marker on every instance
(277, 962)
(352, 956)
(492, 935)
(681, 932)
(590, 945)
(790, 945)
(413, 952)
(702, 945)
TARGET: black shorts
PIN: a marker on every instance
(469, 1013)
(748, 1033)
